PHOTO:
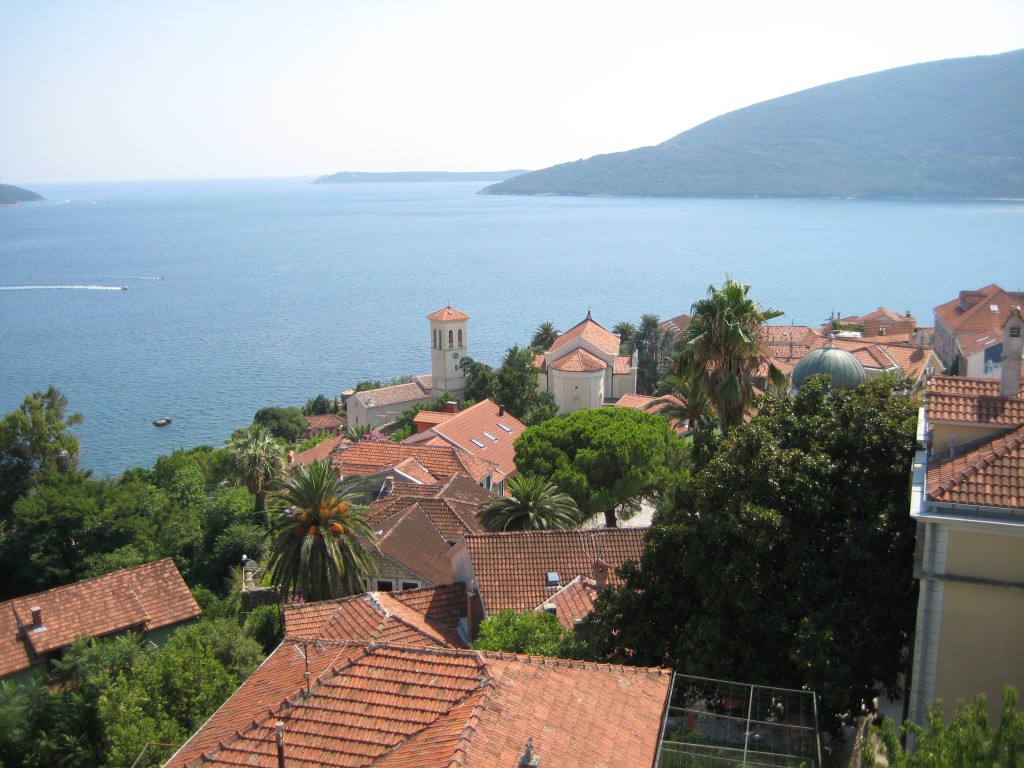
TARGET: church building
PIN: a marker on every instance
(583, 368)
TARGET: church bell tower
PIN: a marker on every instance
(448, 345)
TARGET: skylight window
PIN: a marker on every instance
(553, 579)
(488, 434)
(476, 442)
(507, 429)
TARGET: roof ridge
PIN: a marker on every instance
(575, 663)
(469, 730)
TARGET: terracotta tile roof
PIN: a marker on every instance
(623, 365)
(575, 601)
(392, 706)
(578, 361)
(430, 418)
(965, 400)
(989, 475)
(447, 314)
(460, 492)
(324, 421)
(511, 568)
(988, 311)
(369, 458)
(880, 313)
(677, 325)
(321, 451)
(399, 393)
(654, 404)
(146, 597)
(484, 430)
(596, 334)
(383, 617)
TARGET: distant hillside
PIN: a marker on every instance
(10, 195)
(354, 177)
(946, 129)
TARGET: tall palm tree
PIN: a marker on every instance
(722, 349)
(320, 551)
(535, 504)
(626, 331)
(544, 337)
(691, 404)
(259, 459)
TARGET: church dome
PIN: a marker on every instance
(845, 369)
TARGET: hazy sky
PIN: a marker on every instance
(147, 89)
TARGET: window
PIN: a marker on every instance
(1015, 333)
(506, 428)
(553, 579)
(492, 437)
(410, 585)
(460, 337)
(385, 585)
(476, 442)
(451, 336)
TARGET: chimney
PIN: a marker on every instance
(37, 617)
(291, 457)
(501, 410)
(1013, 344)
(451, 407)
(528, 759)
(279, 737)
(600, 573)
(474, 612)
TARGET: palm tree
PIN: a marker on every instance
(691, 404)
(259, 459)
(544, 337)
(535, 504)
(626, 331)
(722, 350)
(321, 551)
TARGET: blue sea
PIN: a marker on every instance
(245, 293)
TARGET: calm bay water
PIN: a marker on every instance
(276, 290)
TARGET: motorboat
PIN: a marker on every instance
(162, 422)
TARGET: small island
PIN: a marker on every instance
(11, 195)
(356, 177)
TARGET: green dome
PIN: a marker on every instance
(845, 369)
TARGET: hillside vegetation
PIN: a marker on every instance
(9, 195)
(946, 129)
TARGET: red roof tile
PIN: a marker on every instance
(579, 361)
(593, 332)
(321, 451)
(484, 430)
(960, 399)
(417, 389)
(989, 475)
(511, 568)
(400, 707)
(146, 597)
(573, 602)
(623, 365)
(384, 617)
(369, 458)
(447, 314)
(324, 421)
(988, 311)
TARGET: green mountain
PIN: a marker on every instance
(10, 195)
(945, 129)
(355, 177)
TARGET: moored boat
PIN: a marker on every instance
(162, 422)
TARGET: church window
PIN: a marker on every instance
(460, 337)
(451, 336)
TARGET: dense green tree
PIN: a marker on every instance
(265, 625)
(286, 423)
(653, 344)
(968, 741)
(787, 560)
(259, 459)
(516, 388)
(536, 634)
(544, 337)
(606, 459)
(319, 406)
(480, 379)
(722, 350)
(534, 504)
(319, 552)
(35, 439)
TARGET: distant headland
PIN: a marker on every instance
(10, 195)
(357, 177)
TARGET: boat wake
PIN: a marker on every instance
(62, 288)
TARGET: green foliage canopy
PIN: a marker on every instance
(536, 634)
(604, 458)
(786, 561)
(534, 504)
(286, 423)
